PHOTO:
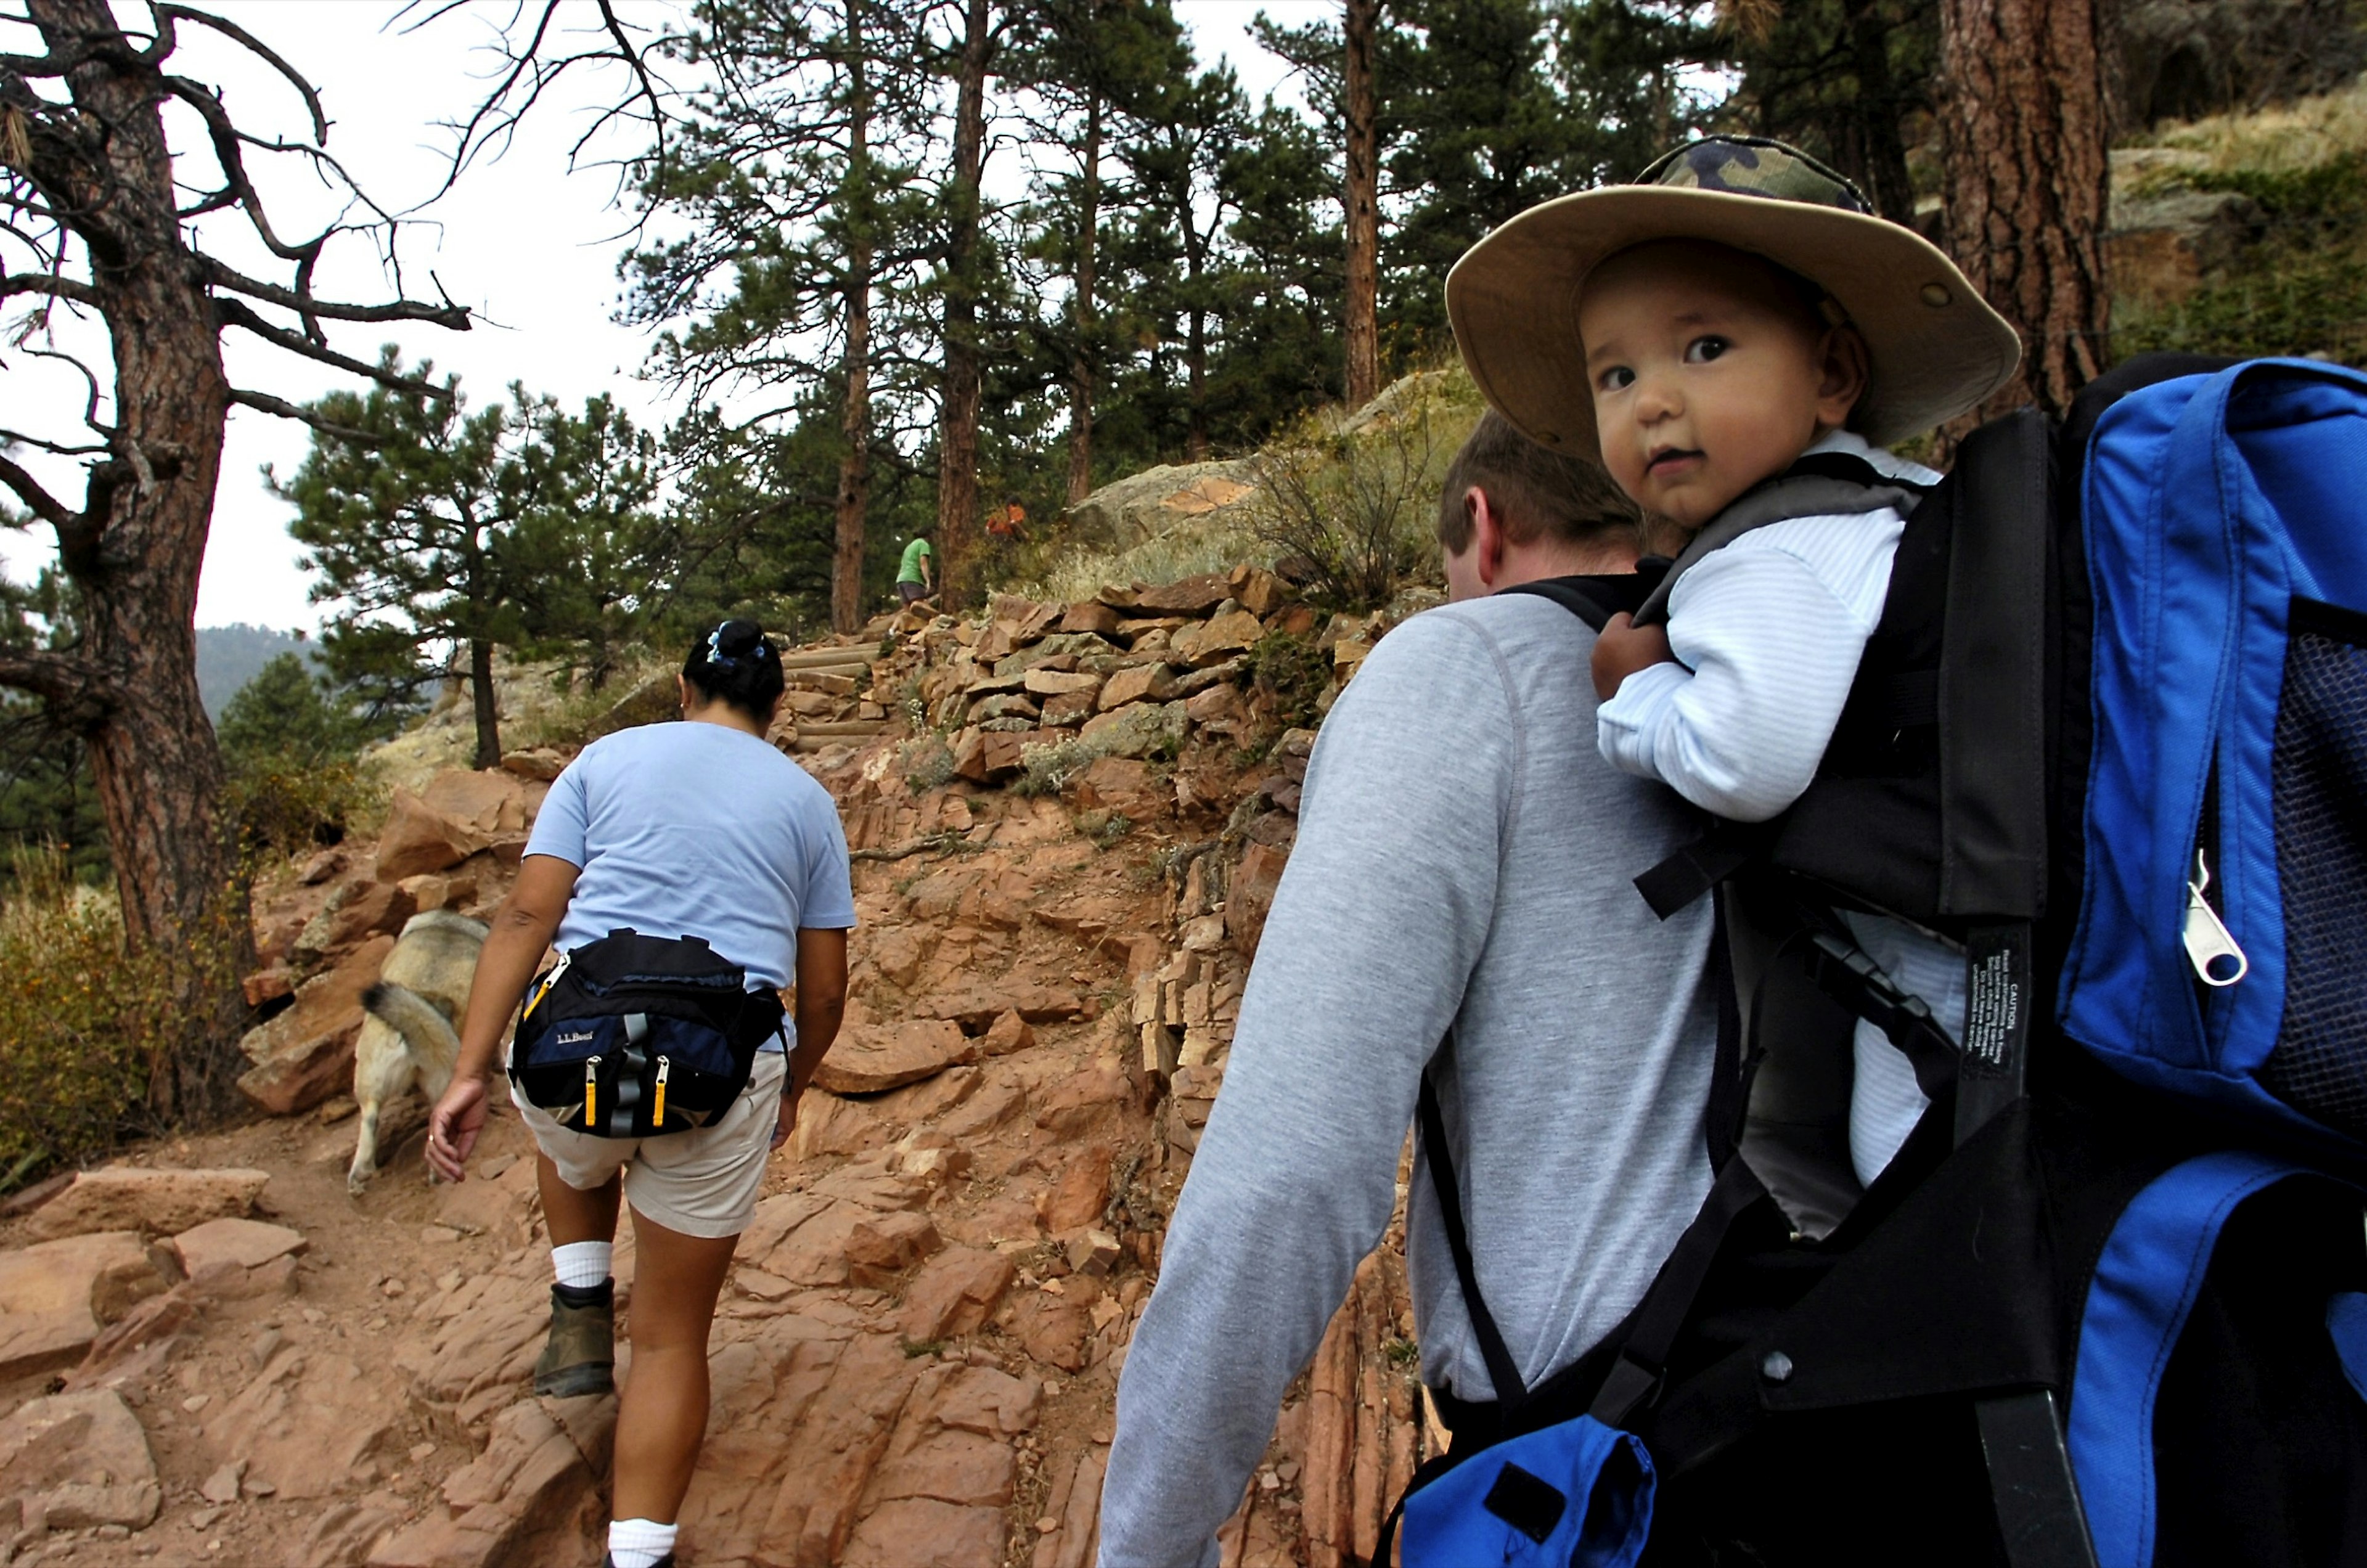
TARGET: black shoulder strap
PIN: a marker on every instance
(1820, 484)
(1594, 600)
(1510, 1392)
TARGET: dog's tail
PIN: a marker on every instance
(410, 1015)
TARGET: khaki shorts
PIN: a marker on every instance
(702, 1182)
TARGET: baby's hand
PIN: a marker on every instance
(1622, 647)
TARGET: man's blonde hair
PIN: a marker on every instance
(1539, 493)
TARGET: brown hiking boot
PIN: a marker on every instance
(580, 1357)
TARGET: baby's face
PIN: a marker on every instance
(1706, 377)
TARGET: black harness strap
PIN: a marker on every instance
(1510, 1392)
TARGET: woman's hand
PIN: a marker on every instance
(453, 1127)
(786, 1122)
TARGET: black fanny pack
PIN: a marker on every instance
(632, 1037)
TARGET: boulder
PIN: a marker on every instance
(1121, 784)
(81, 1459)
(1259, 590)
(954, 1294)
(870, 1058)
(1137, 730)
(362, 909)
(55, 1296)
(244, 1244)
(541, 763)
(1046, 682)
(879, 1250)
(1139, 682)
(1008, 1033)
(1078, 1199)
(418, 839)
(1228, 633)
(305, 1055)
(988, 756)
(123, 1198)
(1089, 615)
(1250, 895)
(1190, 596)
(2163, 248)
(1142, 506)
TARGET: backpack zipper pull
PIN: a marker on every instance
(657, 1106)
(590, 1089)
(2207, 939)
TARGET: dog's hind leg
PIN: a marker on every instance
(365, 1164)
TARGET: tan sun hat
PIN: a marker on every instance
(1937, 347)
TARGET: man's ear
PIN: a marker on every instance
(1845, 369)
(1487, 535)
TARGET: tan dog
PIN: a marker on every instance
(408, 1035)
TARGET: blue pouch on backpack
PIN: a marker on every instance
(2221, 950)
(1576, 1494)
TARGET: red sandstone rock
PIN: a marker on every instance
(954, 1294)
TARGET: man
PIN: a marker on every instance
(914, 581)
(1463, 865)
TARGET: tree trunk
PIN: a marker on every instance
(2023, 126)
(957, 413)
(1361, 197)
(854, 416)
(481, 698)
(133, 554)
(1081, 363)
(1196, 334)
(1881, 150)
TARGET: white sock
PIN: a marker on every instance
(581, 1265)
(638, 1543)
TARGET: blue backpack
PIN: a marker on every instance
(2109, 1305)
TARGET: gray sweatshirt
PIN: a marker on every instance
(1464, 860)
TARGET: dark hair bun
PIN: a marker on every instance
(736, 663)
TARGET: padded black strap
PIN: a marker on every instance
(1510, 1392)
(1643, 1359)
(1594, 600)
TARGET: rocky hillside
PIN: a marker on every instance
(1068, 821)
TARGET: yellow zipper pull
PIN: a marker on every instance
(657, 1110)
(590, 1089)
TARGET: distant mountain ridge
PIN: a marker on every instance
(229, 657)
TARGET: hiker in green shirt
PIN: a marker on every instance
(912, 580)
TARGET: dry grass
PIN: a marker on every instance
(2301, 135)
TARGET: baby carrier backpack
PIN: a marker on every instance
(2108, 1307)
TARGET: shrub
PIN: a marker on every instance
(1294, 672)
(282, 804)
(1351, 510)
(83, 1023)
(926, 763)
(2302, 290)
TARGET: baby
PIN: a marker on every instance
(1736, 310)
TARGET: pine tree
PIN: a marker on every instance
(795, 177)
(430, 524)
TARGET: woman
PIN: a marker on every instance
(699, 829)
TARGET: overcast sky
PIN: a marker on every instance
(528, 246)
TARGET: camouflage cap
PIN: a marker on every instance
(1936, 347)
(1753, 165)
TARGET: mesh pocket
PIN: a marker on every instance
(2318, 776)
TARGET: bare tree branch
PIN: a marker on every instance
(447, 314)
(256, 47)
(46, 507)
(235, 312)
(45, 283)
(68, 682)
(264, 402)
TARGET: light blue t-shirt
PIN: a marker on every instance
(698, 830)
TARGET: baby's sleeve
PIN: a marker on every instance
(1767, 633)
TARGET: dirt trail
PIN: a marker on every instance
(915, 1359)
